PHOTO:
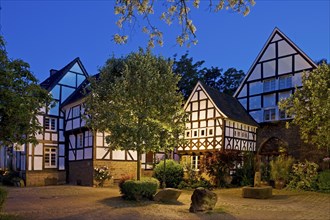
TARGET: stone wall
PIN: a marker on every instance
(45, 177)
(295, 146)
(81, 173)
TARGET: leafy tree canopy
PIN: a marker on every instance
(21, 100)
(135, 100)
(173, 11)
(310, 107)
(191, 73)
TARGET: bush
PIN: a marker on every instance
(304, 176)
(323, 181)
(280, 168)
(244, 175)
(3, 196)
(101, 174)
(218, 165)
(122, 180)
(10, 178)
(146, 188)
(173, 173)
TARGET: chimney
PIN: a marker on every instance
(52, 72)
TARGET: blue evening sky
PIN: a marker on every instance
(49, 34)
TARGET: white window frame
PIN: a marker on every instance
(270, 110)
(51, 125)
(269, 85)
(50, 153)
(285, 82)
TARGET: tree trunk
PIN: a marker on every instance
(138, 167)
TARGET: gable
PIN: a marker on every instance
(279, 56)
(199, 104)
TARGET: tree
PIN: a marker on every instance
(310, 106)
(21, 100)
(230, 80)
(140, 108)
(174, 11)
(191, 73)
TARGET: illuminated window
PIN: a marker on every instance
(50, 158)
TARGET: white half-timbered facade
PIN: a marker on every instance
(273, 76)
(216, 122)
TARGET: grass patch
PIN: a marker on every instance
(5, 216)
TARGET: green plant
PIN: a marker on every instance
(3, 196)
(323, 181)
(304, 176)
(280, 168)
(173, 173)
(145, 188)
(122, 180)
(218, 165)
(101, 174)
(244, 175)
(10, 178)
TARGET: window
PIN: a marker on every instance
(194, 163)
(76, 111)
(190, 161)
(188, 134)
(80, 141)
(195, 133)
(285, 82)
(50, 157)
(269, 114)
(50, 124)
(283, 114)
(210, 131)
(203, 132)
(269, 85)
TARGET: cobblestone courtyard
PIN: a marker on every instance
(75, 202)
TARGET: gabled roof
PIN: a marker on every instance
(275, 36)
(79, 93)
(53, 79)
(228, 105)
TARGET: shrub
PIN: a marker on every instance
(280, 168)
(304, 176)
(122, 180)
(10, 178)
(219, 163)
(146, 188)
(101, 174)
(244, 175)
(173, 173)
(3, 196)
(323, 181)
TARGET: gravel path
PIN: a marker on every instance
(75, 202)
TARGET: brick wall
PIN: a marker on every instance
(117, 169)
(296, 147)
(81, 173)
(45, 177)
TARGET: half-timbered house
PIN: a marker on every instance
(274, 75)
(216, 122)
(68, 151)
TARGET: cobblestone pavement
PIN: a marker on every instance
(76, 202)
